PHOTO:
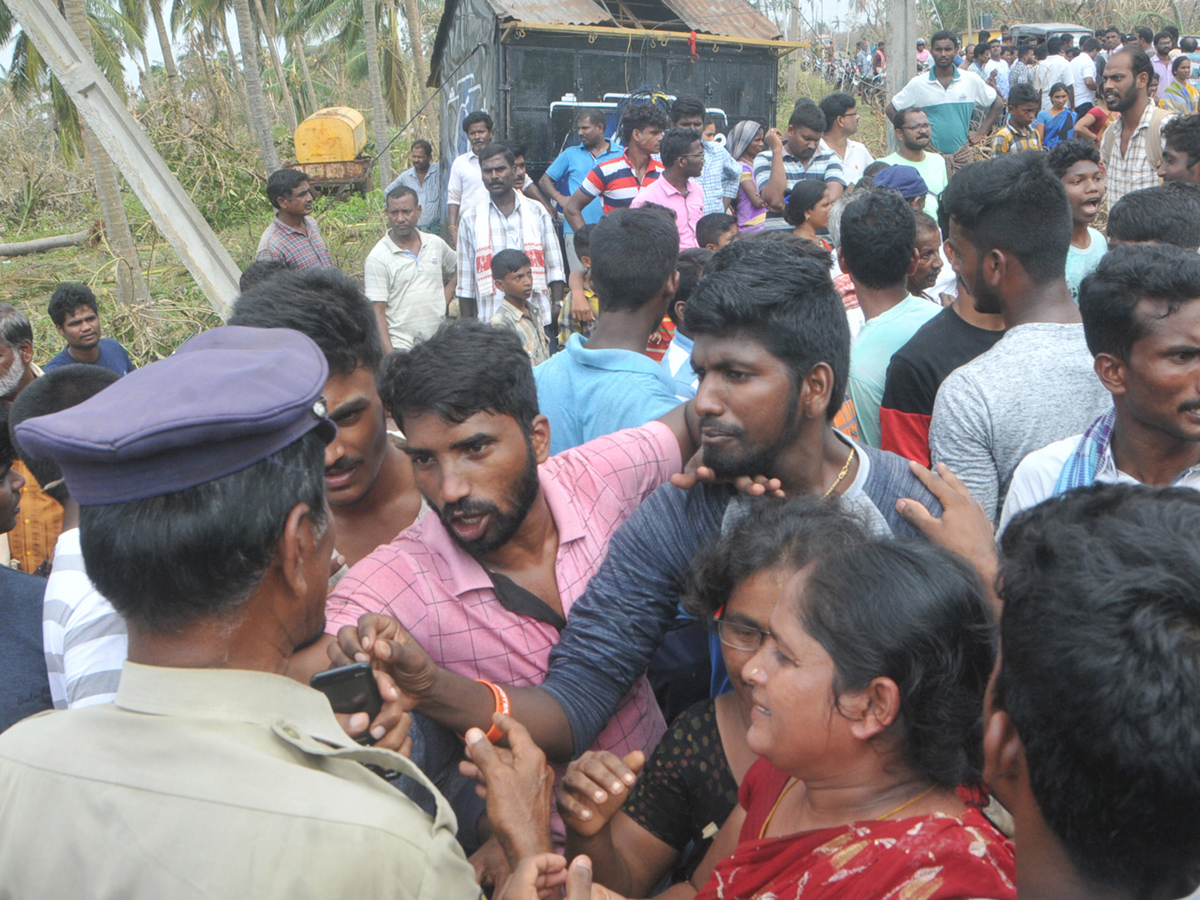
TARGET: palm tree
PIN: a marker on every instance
(310, 95)
(346, 23)
(261, 124)
(164, 42)
(135, 13)
(413, 18)
(208, 18)
(268, 27)
(375, 83)
(295, 30)
(131, 285)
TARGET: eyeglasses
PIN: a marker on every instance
(739, 636)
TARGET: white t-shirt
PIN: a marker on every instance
(412, 288)
(1050, 72)
(856, 160)
(1083, 67)
(464, 186)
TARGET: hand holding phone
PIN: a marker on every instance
(351, 689)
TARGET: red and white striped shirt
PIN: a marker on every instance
(616, 181)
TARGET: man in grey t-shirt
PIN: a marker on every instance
(1036, 385)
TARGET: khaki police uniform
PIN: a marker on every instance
(214, 783)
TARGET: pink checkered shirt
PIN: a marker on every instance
(445, 599)
(294, 248)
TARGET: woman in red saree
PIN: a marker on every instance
(868, 697)
(868, 703)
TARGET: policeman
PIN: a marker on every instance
(203, 519)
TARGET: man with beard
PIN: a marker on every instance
(953, 337)
(772, 352)
(949, 96)
(16, 352)
(1132, 145)
(488, 584)
(368, 480)
(425, 179)
(796, 159)
(507, 220)
(1142, 324)
(1036, 385)
(913, 134)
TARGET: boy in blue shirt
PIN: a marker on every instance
(608, 383)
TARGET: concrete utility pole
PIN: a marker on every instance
(102, 110)
(902, 34)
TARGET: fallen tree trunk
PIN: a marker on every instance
(41, 245)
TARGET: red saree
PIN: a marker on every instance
(915, 858)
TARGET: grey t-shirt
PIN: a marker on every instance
(1036, 386)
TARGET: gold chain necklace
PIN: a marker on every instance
(919, 796)
(841, 475)
(792, 782)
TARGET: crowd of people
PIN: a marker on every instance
(882, 580)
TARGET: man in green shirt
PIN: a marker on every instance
(913, 133)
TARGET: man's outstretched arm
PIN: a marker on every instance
(454, 701)
(629, 605)
(613, 632)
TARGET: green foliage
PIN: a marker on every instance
(113, 36)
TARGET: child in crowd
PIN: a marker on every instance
(1019, 133)
(1056, 124)
(1152, 91)
(1077, 165)
(512, 273)
(678, 359)
(716, 230)
(579, 285)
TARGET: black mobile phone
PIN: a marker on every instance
(351, 689)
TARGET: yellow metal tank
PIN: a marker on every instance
(333, 134)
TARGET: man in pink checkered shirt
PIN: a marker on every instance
(486, 585)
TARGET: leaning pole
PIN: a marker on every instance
(172, 210)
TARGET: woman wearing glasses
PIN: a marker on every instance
(689, 786)
(866, 696)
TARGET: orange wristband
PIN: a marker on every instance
(494, 734)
